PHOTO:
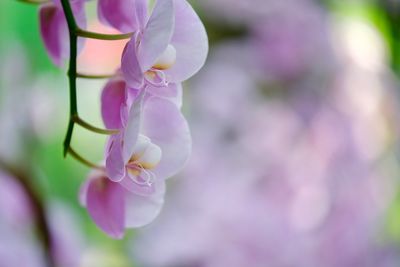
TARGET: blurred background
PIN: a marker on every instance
(295, 125)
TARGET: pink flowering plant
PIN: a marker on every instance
(149, 138)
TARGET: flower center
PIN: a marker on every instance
(145, 157)
(167, 59)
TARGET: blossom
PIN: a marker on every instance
(153, 144)
(54, 29)
(170, 46)
(113, 208)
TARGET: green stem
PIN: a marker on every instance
(87, 76)
(82, 160)
(35, 2)
(74, 32)
(102, 36)
(92, 128)
(72, 26)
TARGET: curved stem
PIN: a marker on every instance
(38, 209)
(74, 32)
(35, 2)
(72, 26)
(82, 160)
(87, 76)
(102, 36)
(92, 128)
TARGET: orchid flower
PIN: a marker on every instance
(54, 29)
(170, 45)
(113, 208)
(154, 144)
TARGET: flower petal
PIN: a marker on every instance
(173, 92)
(132, 128)
(165, 125)
(105, 203)
(115, 164)
(78, 7)
(157, 34)
(141, 8)
(190, 41)
(113, 98)
(130, 65)
(141, 210)
(54, 31)
(119, 14)
(139, 189)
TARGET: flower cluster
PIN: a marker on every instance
(140, 104)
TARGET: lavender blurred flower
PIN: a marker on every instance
(68, 240)
(292, 42)
(17, 245)
(290, 184)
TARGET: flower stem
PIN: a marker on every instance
(92, 128)
(74, 32)
(88, 76)
(82, 160)
(101, 36)
(72, 26)
(35, 2)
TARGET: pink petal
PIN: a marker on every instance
(139, 189)
(141, 210)
(115, 164)
(141, 8)
(130, 65)
(157, 34)
(78, 7)
(119, 14)
(165, 125)
(131, 131)
(54, 31)
(106, 205)
(113, 98)
(172, 92)
(190, 41)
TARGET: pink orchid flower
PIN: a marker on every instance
(154, 144)
(54, 29)
(170, 45)
(154, 141)
(113, 208)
